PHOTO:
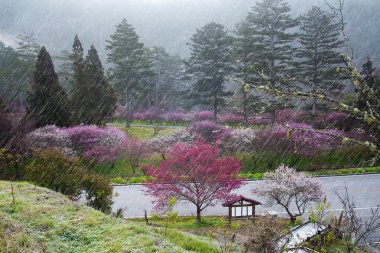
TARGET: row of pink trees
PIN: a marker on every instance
(91, 143)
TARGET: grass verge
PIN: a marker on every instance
(46, 221)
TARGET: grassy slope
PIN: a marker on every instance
(46, 221)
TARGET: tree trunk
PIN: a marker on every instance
(215, 108)
(157, 86)
(127, 107)
(245, 112)
(314, 113)
(273, 118)
(199, 217)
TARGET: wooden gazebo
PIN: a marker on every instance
(241, 207)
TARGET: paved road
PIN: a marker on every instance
(365, 189)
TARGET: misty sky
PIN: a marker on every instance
(168, 23)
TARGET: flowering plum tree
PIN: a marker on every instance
(240, 140)
(203, 115)
(209, 130)
(97, 144)
(286, 186)
(134, 151)
(231, 119)
(50, 137)
(194, 173)
(175, 117)
(161, 144)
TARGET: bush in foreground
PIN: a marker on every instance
(50, 168)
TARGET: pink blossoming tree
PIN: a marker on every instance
(194, 173)
(287, 187)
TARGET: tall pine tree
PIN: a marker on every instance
(100, 102)
(319, 54)
(131, 66)
(272, 27)
(47, 103)
(245, 52)
(28, 47)
(210, 64)
(79, 90)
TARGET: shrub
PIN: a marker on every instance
(203, 115)
(209, 130)
(240, 140)
(341, 120)
(231, 119)
(50, 168)
(289, 115)
(260, 120)
(98, 192)
(97, 144)
(175, 117)
(50, 137)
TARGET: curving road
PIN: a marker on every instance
(365, 189)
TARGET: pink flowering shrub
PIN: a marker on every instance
(231, 119)
(150, 115)
(310, 141)
(209, 130)
(263, 120)
(203, 115)
(194, 173)
(97, 144)
(50, 137)
(289, 115)
(175, 117)
(341, 120)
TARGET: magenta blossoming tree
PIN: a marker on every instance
(203, 115)
(209, 130)
(290, 189)
(194, 173)
(100, 145)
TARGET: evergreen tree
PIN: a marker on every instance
(246, 66)
(319, 53)
(131, 66)
(100, 102)
(272, 25)
(14, 76)
(368, 96)
(47, 103)
(3, 107)
(166, 84)
(28, 47)
(210, 63)
(79, 90)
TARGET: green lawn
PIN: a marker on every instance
(145, 133)
(46, 221)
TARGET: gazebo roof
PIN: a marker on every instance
(241, 198)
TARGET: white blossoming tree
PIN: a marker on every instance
(286, 187)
